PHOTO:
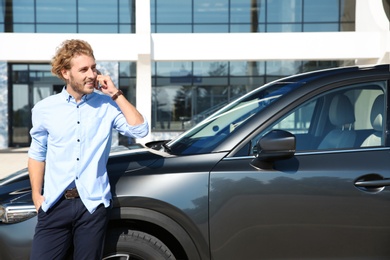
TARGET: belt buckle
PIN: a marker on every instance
(71, 194)
(68, 197)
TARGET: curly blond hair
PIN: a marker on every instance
(65, 52)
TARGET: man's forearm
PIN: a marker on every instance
(133, 117)
(36, 171)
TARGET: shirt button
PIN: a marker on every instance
(78, 140)
(78, 159)
(78, 122)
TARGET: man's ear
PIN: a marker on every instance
(65, 73)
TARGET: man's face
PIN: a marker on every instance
(81, 78)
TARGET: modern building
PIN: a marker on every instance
(180, 60)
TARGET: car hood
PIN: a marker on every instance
(16, 187)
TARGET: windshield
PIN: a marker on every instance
(212, 131)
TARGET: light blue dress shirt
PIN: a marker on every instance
(74, 140)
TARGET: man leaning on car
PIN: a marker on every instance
(71, 140)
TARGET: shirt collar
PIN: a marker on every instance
(69, 98)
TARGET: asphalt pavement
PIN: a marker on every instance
(12, 160)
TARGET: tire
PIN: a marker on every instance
(135, 245)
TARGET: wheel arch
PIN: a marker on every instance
(169, 231)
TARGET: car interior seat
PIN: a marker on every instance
(376, 118)
(342, 117)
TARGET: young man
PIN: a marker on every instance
(71, 140)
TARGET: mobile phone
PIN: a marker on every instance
(97, 82)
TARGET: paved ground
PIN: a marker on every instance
(12, 160)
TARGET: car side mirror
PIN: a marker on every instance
(275, 145)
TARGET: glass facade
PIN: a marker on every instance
(186, 92)
(30, 83)
(183, 93)
(235, 16)
(68, 16)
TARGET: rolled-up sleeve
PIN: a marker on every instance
(38, 146)
(137, 131)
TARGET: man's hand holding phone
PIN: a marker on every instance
(105, 84)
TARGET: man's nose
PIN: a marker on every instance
(91, 73)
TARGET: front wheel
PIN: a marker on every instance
(135, 245)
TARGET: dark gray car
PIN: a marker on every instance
(296, 169)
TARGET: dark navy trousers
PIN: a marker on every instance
(68, 228)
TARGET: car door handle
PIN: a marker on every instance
(372, 183)
(376, 183)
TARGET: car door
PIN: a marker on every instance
(329, 201)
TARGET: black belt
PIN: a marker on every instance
(71, 194)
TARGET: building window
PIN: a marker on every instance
(184, 93)
(29, 84)
(203, 16)
(69, 16)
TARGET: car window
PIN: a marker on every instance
(349, 117)
(212, 131)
